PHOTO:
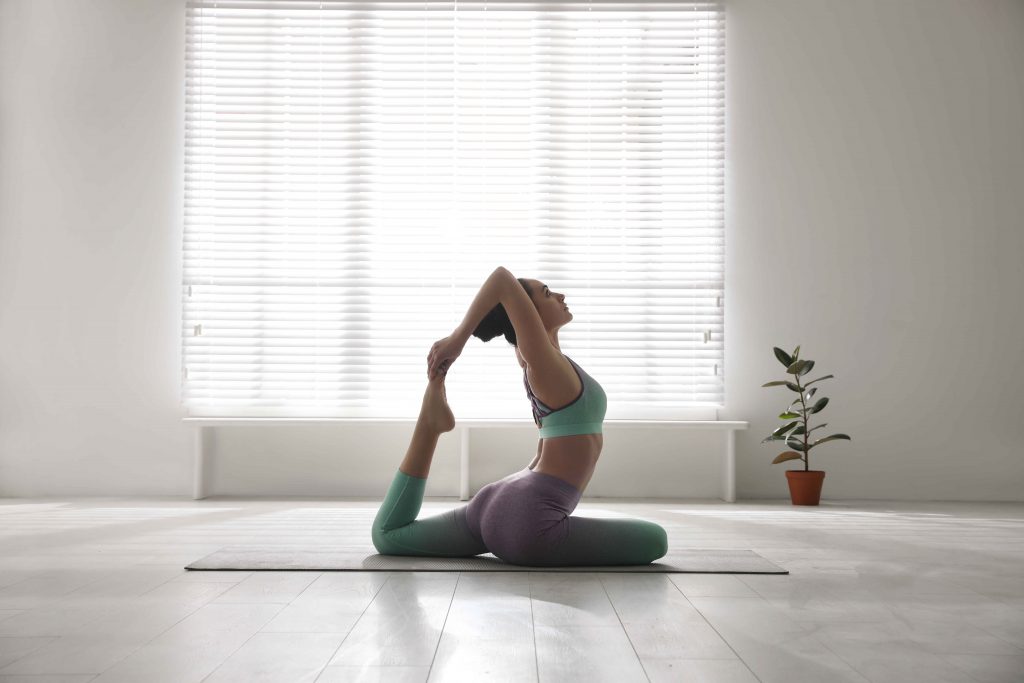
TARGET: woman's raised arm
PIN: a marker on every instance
(444, 351)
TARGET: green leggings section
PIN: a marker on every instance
(396, 531)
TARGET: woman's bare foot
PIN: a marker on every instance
(435, 408)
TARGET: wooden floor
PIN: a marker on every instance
(95, 590)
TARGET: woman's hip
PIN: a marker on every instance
(520, 510)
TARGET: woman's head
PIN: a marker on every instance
(550, 306)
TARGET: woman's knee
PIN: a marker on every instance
(390, 541)
(380, 541)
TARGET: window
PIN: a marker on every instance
(355, 171)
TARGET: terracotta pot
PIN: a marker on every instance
(805, 486)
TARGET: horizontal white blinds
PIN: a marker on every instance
(355, 171)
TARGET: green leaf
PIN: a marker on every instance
(775, 384)
(796, 367)
(794, 387)
(798, 430)
(788, 455)
(796, 354)
(820, 405)
(795, 443)
(788, 415)
(810, 394)
(823, 424)
(783, 356)
(832, 438)
(817, 380)
(784, 428)
(772, 438)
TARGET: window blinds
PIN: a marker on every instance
(354, 172)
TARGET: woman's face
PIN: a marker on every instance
(550, 304)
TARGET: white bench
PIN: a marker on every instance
(464, 426)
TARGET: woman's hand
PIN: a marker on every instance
(443, 353)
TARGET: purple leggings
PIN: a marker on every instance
(525, 519)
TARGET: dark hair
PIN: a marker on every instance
(497, 322)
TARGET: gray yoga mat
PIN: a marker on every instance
(277, 558)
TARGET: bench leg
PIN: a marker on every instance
(199, 475)
(729, 467)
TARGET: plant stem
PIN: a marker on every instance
(807, 462)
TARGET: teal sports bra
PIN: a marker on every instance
(584, 415)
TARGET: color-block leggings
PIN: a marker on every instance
(523, 519)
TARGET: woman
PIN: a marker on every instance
(525, 517)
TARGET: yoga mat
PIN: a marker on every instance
(278, 558)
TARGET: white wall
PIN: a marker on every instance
(91, 138)
(875, 184)
(875, 196)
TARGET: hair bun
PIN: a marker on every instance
(494, 323)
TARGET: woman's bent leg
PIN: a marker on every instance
(396, 531)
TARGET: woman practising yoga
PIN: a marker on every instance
(524, 518)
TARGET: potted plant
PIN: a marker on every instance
(804, 486)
